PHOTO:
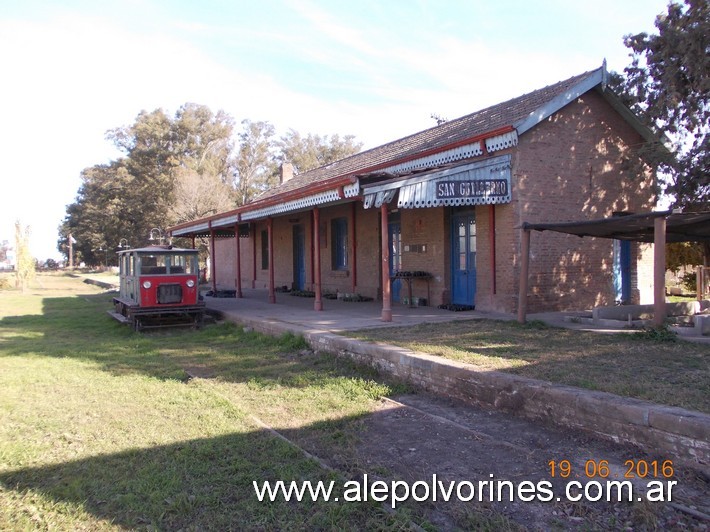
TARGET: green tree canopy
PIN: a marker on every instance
(255, 167)
(179, 168)
(668, 84)
(313, 151)
(175, 169)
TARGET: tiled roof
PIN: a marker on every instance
(440, 137)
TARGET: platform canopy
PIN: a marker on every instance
(680, 227)
(653, 227)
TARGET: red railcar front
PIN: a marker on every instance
(159, 287)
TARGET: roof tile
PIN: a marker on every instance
(438, 137)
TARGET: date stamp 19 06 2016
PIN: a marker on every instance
(652, 469)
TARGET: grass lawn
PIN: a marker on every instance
(635, 364)
(101, 428)
(681, 299)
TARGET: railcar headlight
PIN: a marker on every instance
(190, 283)
(147, 284)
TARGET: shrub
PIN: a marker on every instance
(656, 334)
(689, 281)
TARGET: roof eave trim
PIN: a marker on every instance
(550, 107)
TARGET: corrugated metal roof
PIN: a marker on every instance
(680, 227)
(480, 183)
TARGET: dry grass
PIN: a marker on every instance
(633, 365)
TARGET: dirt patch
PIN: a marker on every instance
(419, 436)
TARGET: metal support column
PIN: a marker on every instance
(318, 303)
(524, 268)
(237, 262)
(659, 271)
(270, 233)
(384, 240)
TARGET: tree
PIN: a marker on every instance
(177, 169)
(313, 151)
(25, 264)
(255, 168)
(197, 196)
(204, 140)
(156, 183)
(102, 213)
(668, 85)
(679, 254)
(202, 184)
(152, 155)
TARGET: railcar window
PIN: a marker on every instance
(153, 264)
(127, 264)
(183, 264)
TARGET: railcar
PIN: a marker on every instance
(159, 287)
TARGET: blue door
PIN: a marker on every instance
(299, 258)
(395, 243)
(463, 259)
(622, 271)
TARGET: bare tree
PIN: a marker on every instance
(25, 264)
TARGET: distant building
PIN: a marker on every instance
(440, 211)
(7, 256)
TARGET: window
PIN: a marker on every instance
(183, 264)
(339, 240)
(264, 250)
(153, 264)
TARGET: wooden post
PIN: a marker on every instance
(524, 269)
(384, 240)
(238, 262)
(353, 240)
(312, 247)
(492, 245)
(318, 303)
(699, 283)
(659, 271)
(253, 256)
(213, 272)
(270, 233)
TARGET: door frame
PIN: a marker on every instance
(468, 297)
(299, 257)
(394, 264)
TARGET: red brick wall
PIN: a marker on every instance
(578, 164)
(426, 227)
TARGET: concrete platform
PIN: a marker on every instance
(336, 315)
(680, 433)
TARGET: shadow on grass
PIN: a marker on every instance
(200, 484)
(79, 328)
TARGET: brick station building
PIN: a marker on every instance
(440, 212)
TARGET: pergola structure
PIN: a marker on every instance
(656, 227)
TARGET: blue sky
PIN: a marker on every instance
(377, 69)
